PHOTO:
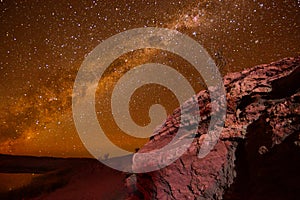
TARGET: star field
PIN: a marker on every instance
(43, 44)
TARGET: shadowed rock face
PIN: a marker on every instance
(257, 154)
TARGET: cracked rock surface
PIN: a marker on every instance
(257, 155)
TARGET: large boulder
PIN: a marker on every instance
(257, 155)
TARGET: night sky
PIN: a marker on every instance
(43, 44)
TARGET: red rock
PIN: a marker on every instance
(261, 130)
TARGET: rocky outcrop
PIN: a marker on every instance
(257, 155)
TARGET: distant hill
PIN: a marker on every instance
(64, 178)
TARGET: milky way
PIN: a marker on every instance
(43, 44)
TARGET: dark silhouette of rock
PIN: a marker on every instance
(257, 155)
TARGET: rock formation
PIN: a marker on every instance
(257, 155)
